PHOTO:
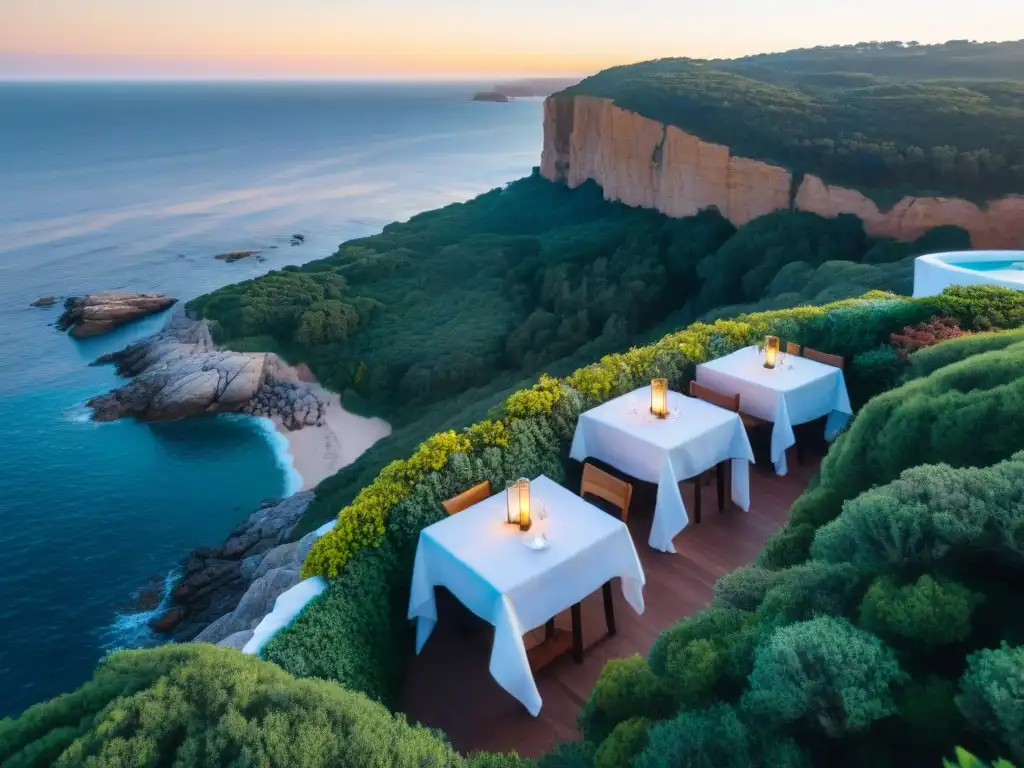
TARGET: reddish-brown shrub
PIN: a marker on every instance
(927, 334)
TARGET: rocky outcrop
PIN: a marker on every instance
(642, 162)
(235, 255)
(999, 224)
(227, 590)
(180, 372)
(102, 312)
(490, 96)
(44, 301)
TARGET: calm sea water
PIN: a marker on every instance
(137, 187)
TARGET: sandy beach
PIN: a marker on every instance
(319, 452)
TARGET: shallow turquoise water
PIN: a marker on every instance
(137, 187)
(990, 266)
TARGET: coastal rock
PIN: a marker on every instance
(490, 96)
(102, 312)
(180, 372)
(642, 162)
(236, 641)
(235, 255)
(44, 301)
(215, 579)
(167, 621)
(298, 239)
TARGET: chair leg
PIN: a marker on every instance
(609, 607)
(720, 476)
(696, 499)
(549, 629)
(577, 634)
(800, 452)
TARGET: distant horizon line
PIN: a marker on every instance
(493, 79)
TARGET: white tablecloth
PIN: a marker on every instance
(695, 437)
(485, 564)
(795, 392)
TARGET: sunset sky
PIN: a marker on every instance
(446, 38)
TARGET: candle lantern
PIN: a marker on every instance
(771, 351)
(518, 504)
(659, 397)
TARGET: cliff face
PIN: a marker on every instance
(642, 162)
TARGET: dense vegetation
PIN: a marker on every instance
(434, 321)
(887, 118)
(887, 636)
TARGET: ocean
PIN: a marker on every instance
(137, 187)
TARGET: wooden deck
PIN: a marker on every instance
(449, 686)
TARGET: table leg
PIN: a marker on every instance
(696, 498)
(577, 635)
(609, 607)
(720, 476)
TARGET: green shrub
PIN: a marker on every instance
(983, 307)
(930, 611)
(992, 697)
(625, 741)
(355, 633)
(927, 361)
(825, 673)
(813, 589)
(744, 588)
(569, 754)
(201, 705)
(872, 372)
(927, 515)
(498, 760)
(701, 738)
(626, 688)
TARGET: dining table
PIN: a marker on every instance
(694, 437)
(495, 570)
(796, 391)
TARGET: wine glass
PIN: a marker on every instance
(782, 357)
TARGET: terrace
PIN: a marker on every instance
(449, 685)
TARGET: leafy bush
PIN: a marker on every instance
(814, 589)
(201, 705)
(626, 688)
(744, 588)
(930, 611)
(965, 759)
(927, 334)
(625, 741)
(825, 673)
(703, 738)
(992, 697)
(929, 360)
(873, 372)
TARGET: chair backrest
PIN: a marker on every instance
(823, 357)
(468, 498)
(599, 483)
(729, 402)
(792, 348)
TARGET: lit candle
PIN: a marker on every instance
(771, 351)
(659, 397)
(523, 488)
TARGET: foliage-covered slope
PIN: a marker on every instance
(912, 119)
(435, 320)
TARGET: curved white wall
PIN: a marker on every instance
(935, 272)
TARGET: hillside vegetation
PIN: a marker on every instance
(887, 118)
(435, 320)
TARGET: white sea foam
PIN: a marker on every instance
(79, 414)
(282, 454)
(131, 630)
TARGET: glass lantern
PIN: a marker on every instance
(659, 398)
(771, 351)
(518, 504)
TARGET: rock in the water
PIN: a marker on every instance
(44, 301)
(235, 255)
(490, 96)
(167, 621)
(180, 372)
(102, 312)
(298, 239)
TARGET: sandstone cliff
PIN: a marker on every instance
(642, 162)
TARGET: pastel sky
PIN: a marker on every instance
(448, 38)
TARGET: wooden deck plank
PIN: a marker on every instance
(449, 686)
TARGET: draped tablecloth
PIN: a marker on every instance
(794, 392)
(695, 437)
(483, 561)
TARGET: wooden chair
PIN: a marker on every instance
(823, 357)
(597, 482)
(468, 498)
(729, 403)
(617, 493)
(792, 349)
